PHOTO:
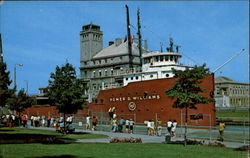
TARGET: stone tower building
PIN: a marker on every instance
(103, 68)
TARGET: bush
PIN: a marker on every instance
(126, 140)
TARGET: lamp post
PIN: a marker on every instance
(27, 85)
(15, 74)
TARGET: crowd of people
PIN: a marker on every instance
(117, 124)
(156, 128)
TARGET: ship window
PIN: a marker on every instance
(132, 78)
(175, 59)
(171, 58)
(157, 59)
(166, 58)
(161, 58)
(136, 77)
(167, 75)
(126, 78)
(151, 76)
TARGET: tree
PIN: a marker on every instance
(5, 82)
(187, 90)
(65, 91)
(20, 101)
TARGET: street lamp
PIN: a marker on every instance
(27, 86)
(15, 74)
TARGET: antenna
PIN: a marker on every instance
(237, 54)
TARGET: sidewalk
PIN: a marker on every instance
(145, 138)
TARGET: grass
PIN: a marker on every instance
(113, 150)
(107, 150)
(47, 132)
(241, 114)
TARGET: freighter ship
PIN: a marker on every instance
(142, 97)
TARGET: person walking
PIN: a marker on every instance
(120, 126)
(88, 122)
(48, 121)
(131, 126)
(24, 120)
(94, 123)
(114, 125)
(127, 126)
(152, 128)
(159, 127)
(221, 130)
(173, 129)
(149, 127)
(169, 126)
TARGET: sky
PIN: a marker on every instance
(43, 34)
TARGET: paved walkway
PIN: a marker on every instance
(145, 138)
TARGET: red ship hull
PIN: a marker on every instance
(131, 102)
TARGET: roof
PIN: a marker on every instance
(223, 79)
(119, 50)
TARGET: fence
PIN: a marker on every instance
(231, 134)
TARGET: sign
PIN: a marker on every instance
(121, 99)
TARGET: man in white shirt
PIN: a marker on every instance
(169, 125)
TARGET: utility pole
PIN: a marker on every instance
(139, 35)
(1, 49)
(129, 39)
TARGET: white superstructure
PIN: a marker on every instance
(156, 65)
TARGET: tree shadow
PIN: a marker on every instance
(60, 156)
(6, 138)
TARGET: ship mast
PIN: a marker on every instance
(129, 39)
(139, 35)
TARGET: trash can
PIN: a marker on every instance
(167, 138)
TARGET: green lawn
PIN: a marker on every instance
(116, 150)
(232, 113)
(47, 132)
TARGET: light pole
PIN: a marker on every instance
(15, 74)
(27, 85)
